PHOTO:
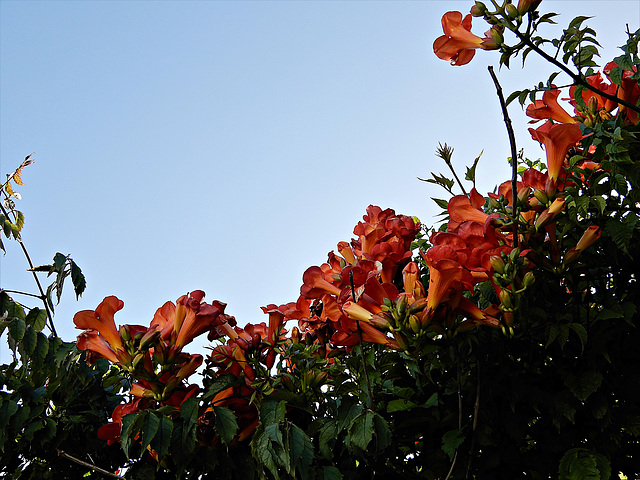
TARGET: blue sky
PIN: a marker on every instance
(228, 146)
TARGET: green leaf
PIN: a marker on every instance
(399, 405)
(582, 384)
(471, 171)
(189, 410)
(331, 473)
(32, 428)
(581, 332)
(441, 203)
(17, 329)
(129, 427)
(58, 261)
(263, 452)
(19, 220)
(7, 409)
(29, 341)
(162, 439)
(226, 424)
(582, 464)
(150, 426)
(272, 411)
(42, 348)
(78, 280)
(326, 437)
(382, 432)
(599, 202)
(361, 431)
(300, 450)
(432, 401)
(451, 441)
(37, 318)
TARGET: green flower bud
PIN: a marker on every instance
(529, 279)
(512, 11)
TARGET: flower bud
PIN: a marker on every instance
(125, 333)
(541, 196)
(529, 279)
(525, 6)
(415, 324)
(505, 298)
(496, 35)
(524, 192)
(592, 105)
(149, 338)
(295, 335)
(512, 11)
(497, 263)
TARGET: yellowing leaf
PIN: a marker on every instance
(17, 178)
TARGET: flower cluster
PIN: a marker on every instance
(153, 356)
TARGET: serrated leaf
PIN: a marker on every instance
(29, 340)
(162, 438)
(361, 431)
(129, 427)
(399, 405)
(326, 436)
(451, 441)
(581, 332)
(17, 329)
(226, 424)
(382, 432)
(582, 384)
(42, 348)
(300, 450)
(432, 401)
(272, 411)
(581, 464)
(599, 202)
(37, 318)
(78, 280)
(32, 428)
(150, 426)
(8, 408)
(331, 473)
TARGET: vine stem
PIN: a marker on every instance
(42, 296)
(88, 465)
(514, 154)
(364, 361)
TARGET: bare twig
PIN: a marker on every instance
(514, 156)
(88, 465)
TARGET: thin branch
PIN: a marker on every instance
(476, 409)
(514, 155)
(458, 374)
(364, 361)
(577, 78)
(43, 297)
(88, 465)
(17, 292)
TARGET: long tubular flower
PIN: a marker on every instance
(548, 108)
(557, 138)
(458, 44)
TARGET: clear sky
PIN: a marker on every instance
(228, 146)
